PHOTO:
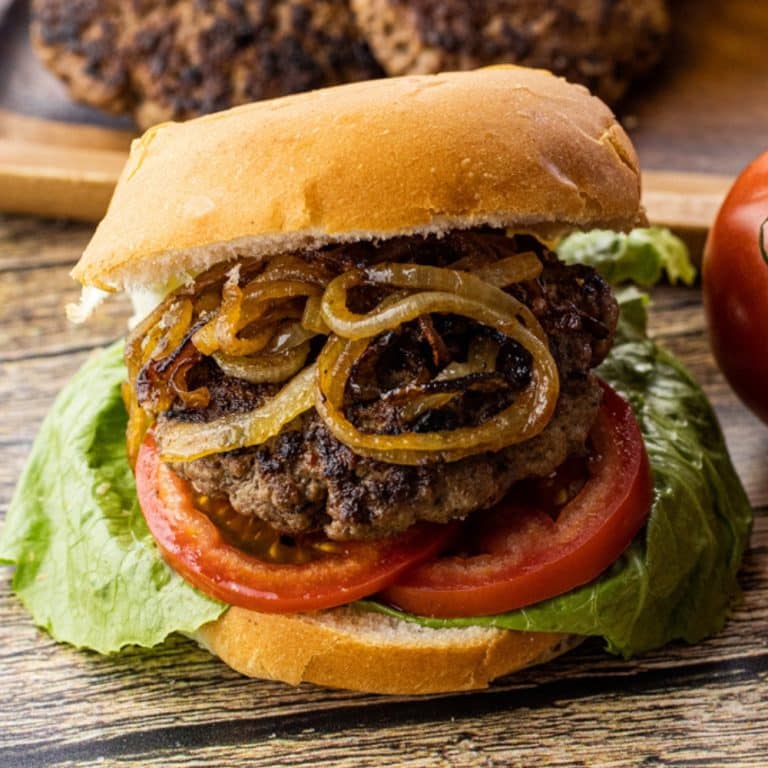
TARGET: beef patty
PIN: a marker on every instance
(175, 59)
(305, 480)
(603, 44)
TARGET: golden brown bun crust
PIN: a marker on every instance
(352, 649)
(505, 146)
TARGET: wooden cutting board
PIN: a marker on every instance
(59, 170)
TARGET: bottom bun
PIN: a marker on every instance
(364, 651)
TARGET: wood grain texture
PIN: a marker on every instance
(176, 706)
(685, 202)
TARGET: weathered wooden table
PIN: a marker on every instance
(699, 705)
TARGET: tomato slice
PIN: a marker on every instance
(194, 547)
(523, 555)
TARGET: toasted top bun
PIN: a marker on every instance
(361, 651)
(505, 146)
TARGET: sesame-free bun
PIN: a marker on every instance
(505, 146)
(364, 651)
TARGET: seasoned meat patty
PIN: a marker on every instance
(174, 59)
(601, 43)
(305, 480)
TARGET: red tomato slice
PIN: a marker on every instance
(194, 547)
(527, 556)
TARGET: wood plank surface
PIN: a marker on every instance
(174, 706)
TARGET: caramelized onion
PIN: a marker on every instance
(513, 269)
(289, 335)
(439, 287)
(162, 331)
(481, 359)
(250, 329)
(175, 324)
(159, 333)
(267, 368)
(257, 319)
(139, 422)
(526, 417)
(217, 334)
(185, 441)
(312, 319)
(242, 307)
(255, 295)
(417, 406)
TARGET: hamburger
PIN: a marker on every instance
(362, 407)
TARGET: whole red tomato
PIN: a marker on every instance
(735, 285)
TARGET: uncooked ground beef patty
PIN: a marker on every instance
(602, 44)
(305, 480)
(174, 59)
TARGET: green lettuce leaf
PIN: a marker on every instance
(678, 578)
(641, 256)
(87, 567)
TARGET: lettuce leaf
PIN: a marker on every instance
(641, 256)
(678, 578)
(87, 568)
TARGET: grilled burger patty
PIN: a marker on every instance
(175, 59)
(603, 45)
(305, 480)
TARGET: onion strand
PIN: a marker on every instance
(431, 281)
(185, 441)
(267, 368)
